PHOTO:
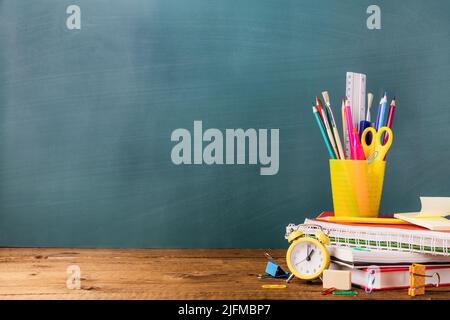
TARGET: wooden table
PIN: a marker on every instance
(157, 274)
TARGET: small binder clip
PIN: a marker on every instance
(417, 280)
(273, 270)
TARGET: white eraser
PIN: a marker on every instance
(339, 279)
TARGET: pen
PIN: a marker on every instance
(348, 117)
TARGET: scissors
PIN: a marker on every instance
(376, 150)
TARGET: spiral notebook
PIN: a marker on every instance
(407, 238)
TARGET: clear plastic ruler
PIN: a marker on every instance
(356, 93)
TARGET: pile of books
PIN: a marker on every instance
(379, 256)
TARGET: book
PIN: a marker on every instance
(432, 214)
(363, 258)
(407, 238)
(391, 278)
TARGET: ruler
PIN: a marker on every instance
(355, 90)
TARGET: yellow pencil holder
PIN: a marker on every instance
(357, 187)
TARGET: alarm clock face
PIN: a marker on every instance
(307, 258)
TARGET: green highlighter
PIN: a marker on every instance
(345, 293)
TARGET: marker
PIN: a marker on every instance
(348, 117)
(358, 151)
(363, 125)
(322, 131)
(344, 132)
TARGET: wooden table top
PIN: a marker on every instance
(158, 274)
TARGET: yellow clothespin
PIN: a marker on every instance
(417, 279)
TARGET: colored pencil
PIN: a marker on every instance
(383, 112)
(326, 122)
(364, 220)
(324, 134)
(390, 119)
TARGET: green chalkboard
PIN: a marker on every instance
(87, 114)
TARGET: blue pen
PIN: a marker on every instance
(324, 135)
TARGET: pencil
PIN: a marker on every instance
(326, 122)
(322, 131)
(389, 122)
(382, 112)
(364, 220)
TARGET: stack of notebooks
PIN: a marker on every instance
(384, 251)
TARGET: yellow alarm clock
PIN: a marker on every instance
(307, 257)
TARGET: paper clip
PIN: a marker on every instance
(327, 291)
(273, 286)
(417, 280)
(372, 271)
(372, 157)
(345, 293)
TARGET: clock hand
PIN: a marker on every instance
(305, 258)
(309, 255)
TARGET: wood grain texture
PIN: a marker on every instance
(157, 274)
(86, 116)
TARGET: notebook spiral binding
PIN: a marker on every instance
(386, 240)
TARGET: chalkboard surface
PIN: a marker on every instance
(86, 115)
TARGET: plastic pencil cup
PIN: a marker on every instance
(357, 186)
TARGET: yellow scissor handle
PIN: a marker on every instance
(376, 143)
(383, 149)
(368, 148)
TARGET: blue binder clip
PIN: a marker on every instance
(274, 270)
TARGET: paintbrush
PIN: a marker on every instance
(340, 150)
(369, 105)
